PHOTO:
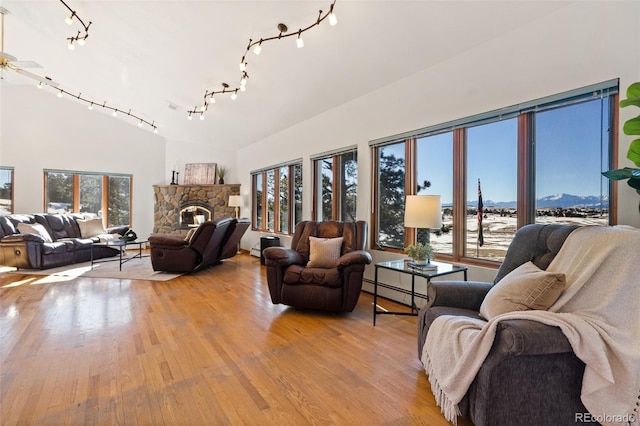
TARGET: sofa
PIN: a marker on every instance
(206, 246)
(550, 341)
(323, 269)
(47, 240)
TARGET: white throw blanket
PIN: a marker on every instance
(598, 312)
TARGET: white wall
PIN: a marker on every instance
(581, 44)
(40, 131)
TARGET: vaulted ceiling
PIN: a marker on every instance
(157, 58)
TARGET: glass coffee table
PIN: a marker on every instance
(403, 266)
(121, 245)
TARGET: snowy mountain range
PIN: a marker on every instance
(554, 201)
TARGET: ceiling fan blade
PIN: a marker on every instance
(43, 80)
(26, 64)
(5, 55)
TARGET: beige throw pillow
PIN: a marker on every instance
(525, 288)
(324, 252)
(35, 228)
(91, 227)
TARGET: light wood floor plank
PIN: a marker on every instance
(208, 348)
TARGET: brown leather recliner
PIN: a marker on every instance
(175, 254)
(292, 282)
(235, 232)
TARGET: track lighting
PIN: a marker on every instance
(212, 100)
(189, 117)
(79, 37)
(333, 20)
(201, 116)
(257, 48)
(90, 104)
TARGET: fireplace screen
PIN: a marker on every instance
(193, 214)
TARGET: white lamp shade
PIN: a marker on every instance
(423, 211)
(235, 201)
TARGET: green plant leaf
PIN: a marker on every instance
(619, 174)
(634, 182)
(634, 152)
(632, 126)
(630, 101)
(633, 91)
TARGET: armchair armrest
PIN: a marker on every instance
(21, 238)
(167, 240)
(520, 337)
(282, 256)
(458, 294)
(357, 257)
(121, 230)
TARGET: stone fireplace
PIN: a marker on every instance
(179, 207)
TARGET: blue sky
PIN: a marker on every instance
(568, 155)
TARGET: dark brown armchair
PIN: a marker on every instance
(334, 285)
(170, 253)
(235, 232)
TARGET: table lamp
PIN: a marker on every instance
(236, 202)
(423, 212)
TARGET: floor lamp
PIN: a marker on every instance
(235, 201)
(423, 212)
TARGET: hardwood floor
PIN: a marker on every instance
(208, 348)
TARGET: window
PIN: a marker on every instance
(492, 159)
(573, 191)
(434, 176)
(391, 190)
(336, 185)
(283, 205)
(6, 190)
(540, 161)
(277, 192)
(84, 192)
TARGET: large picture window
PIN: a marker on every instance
(540, 161)
(105, 195)
(277, 196)
(6, 190)
(335, 185)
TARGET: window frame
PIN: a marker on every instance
(291, 198)
(75, 205)
(337, 182)
(11, 171)
(525, 114)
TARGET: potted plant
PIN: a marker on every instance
(222, 172)
(631, 127)
(420, 253)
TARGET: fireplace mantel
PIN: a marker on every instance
(168, 200)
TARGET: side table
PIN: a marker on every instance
(122, 246)
(404, 267)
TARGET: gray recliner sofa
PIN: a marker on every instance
(531, 375)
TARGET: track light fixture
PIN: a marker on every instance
(81, 36)
(115, 111)
(257, 48)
